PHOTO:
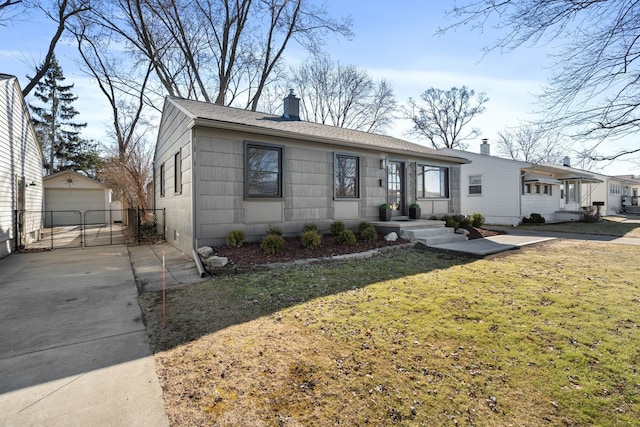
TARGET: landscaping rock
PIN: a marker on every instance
(462, 231)
(205, 252)
(217, 261)
(391, 237)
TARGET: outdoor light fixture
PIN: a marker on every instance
(32, 184)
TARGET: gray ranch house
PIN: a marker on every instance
(218, 169)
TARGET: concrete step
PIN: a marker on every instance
(433, 235)
(416, 233)
(438, 240)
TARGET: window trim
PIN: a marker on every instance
(474, 185)
(161, 172)
(336, 155)
(280, 148)
(447, 181)
(177, 173)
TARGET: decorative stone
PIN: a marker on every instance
(205, 252)
(462, 231)
(217, 261)
(391, 237)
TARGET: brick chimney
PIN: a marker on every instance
(292, 106)
(485, 148)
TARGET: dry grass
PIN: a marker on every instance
(608, 226)
(547, 335)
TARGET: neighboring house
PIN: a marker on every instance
(506, 191)
(72, 195)
(219, 168)
(630, 199)
(21, 163)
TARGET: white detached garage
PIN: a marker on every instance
(74, 196)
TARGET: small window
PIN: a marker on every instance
(177, 176)
(546, 189)
(346, 176)
(161, 178)
(537, 188)
(475, 184)
(527, 189)
(263, 170)
(432, 181)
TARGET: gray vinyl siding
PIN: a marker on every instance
(213, 200)
(174, 137)
(20, 156)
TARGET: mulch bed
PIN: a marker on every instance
(250, 253)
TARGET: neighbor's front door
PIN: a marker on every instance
(395, 187)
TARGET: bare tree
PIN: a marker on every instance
(216, 50)
(532, 144)
(60, 12)
(594, 89)
(127, 170)
(442, 115)
(343, 96)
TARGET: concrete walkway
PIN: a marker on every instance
(517, 237)
(74, 349)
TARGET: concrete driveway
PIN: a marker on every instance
(73, 350)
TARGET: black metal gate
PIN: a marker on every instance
(42, 230)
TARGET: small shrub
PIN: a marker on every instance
(347, 238)
(272, 244)
(235, 238)
(414, 206)
(311, 239)
(274, 230)
(309, 227)
(534, 218)
(369, 234)
(450, 221)
(337, 227)
(433, 218)
(477, 220)
(463, 221)
(363, 225)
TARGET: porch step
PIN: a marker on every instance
(433, 235)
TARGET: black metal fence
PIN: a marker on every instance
(39, 230)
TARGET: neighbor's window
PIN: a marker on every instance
(161, 178)
(571, 191)
(346, 176)
(263, 170)
(475, 184)
(177, 177)
(432, 181)
(527, 189)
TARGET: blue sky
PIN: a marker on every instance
(395, 43)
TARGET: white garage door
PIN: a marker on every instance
(56, 199)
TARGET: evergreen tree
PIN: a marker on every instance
(59, 135)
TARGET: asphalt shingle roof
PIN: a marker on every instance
(255, 121)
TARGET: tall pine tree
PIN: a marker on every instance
(59, 135)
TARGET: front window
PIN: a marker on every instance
(346, 173)
(475, 184)
(263, 169)
(433, 182)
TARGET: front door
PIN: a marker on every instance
(395, 187)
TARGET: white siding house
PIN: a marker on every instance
(21, 163)
(506, 191)
(217, 169)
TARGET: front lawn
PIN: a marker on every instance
(546, 335)
(608, 226)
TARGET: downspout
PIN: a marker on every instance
(194, 183)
